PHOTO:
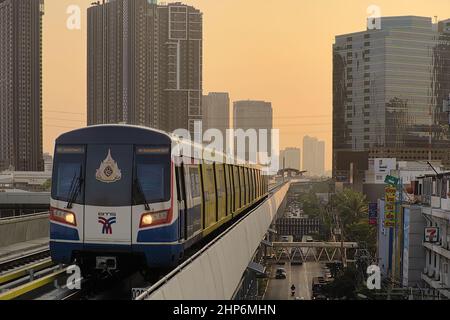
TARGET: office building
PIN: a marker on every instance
(145, 64)
(21, 85)
(290, 158)
(216, 112)
(313, 156)
(391, 88)
(256, 116)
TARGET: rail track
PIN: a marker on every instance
(29, 258)
(21, 275)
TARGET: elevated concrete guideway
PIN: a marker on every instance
(216, 271)
(18, 202)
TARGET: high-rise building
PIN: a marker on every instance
(290, 158)
(391, 86)
(21, 85)
(256, 116)
(216, 112)
(145, 64)
(313, 156)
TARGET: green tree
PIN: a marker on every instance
(47, 185)
(310, 204)
(351, 206)
(344, 285)
(352, 210)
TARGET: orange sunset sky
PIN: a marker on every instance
(278, 51)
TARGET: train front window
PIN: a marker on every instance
(152, 175)
(68, 174)
(109, 171)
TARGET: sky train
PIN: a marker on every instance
(121, 198)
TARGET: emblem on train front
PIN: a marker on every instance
(109, 171)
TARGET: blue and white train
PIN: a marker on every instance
(121, 198)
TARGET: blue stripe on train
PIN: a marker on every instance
(161, 234)
(155, 255)
(59, 232)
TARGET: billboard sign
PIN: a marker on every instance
(391, 180)
(373, 213)
(389, 206)
(431, 234)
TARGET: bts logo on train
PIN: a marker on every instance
(107, 223)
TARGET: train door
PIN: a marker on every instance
(252, 176)
(194, 221)
(181, 192)
(237, 189)
(108, 201)
(258, 183)
(221, 192)
(246, 186)
(242, 186)
(209, 196)
(229, 189)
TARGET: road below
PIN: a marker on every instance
(300, 276)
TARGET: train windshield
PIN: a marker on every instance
(112, 175)
(68, 173)
(152, 175)
(109, 173)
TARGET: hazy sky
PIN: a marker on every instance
(278, 51)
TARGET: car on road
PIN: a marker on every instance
(296, 263)
(280, 273)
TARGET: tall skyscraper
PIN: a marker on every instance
(290, 158)
(21, 85)
(216, 112)
(257, 115)
(145, 64)
(313, 156)
(390, 88)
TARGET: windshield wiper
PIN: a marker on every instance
(138, 186)
(75, 188)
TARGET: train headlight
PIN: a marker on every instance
(63, 216)
(147, 220)
(150, 219)
(70, 218)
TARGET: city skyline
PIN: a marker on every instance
(229, 59)
(224, 151)
(21, 85)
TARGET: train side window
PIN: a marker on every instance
(253, 184)
(242, 184)
(247, 186)
(194, 175)
(237, 188)
(258, 174)
(228, 188)
(257, 184)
